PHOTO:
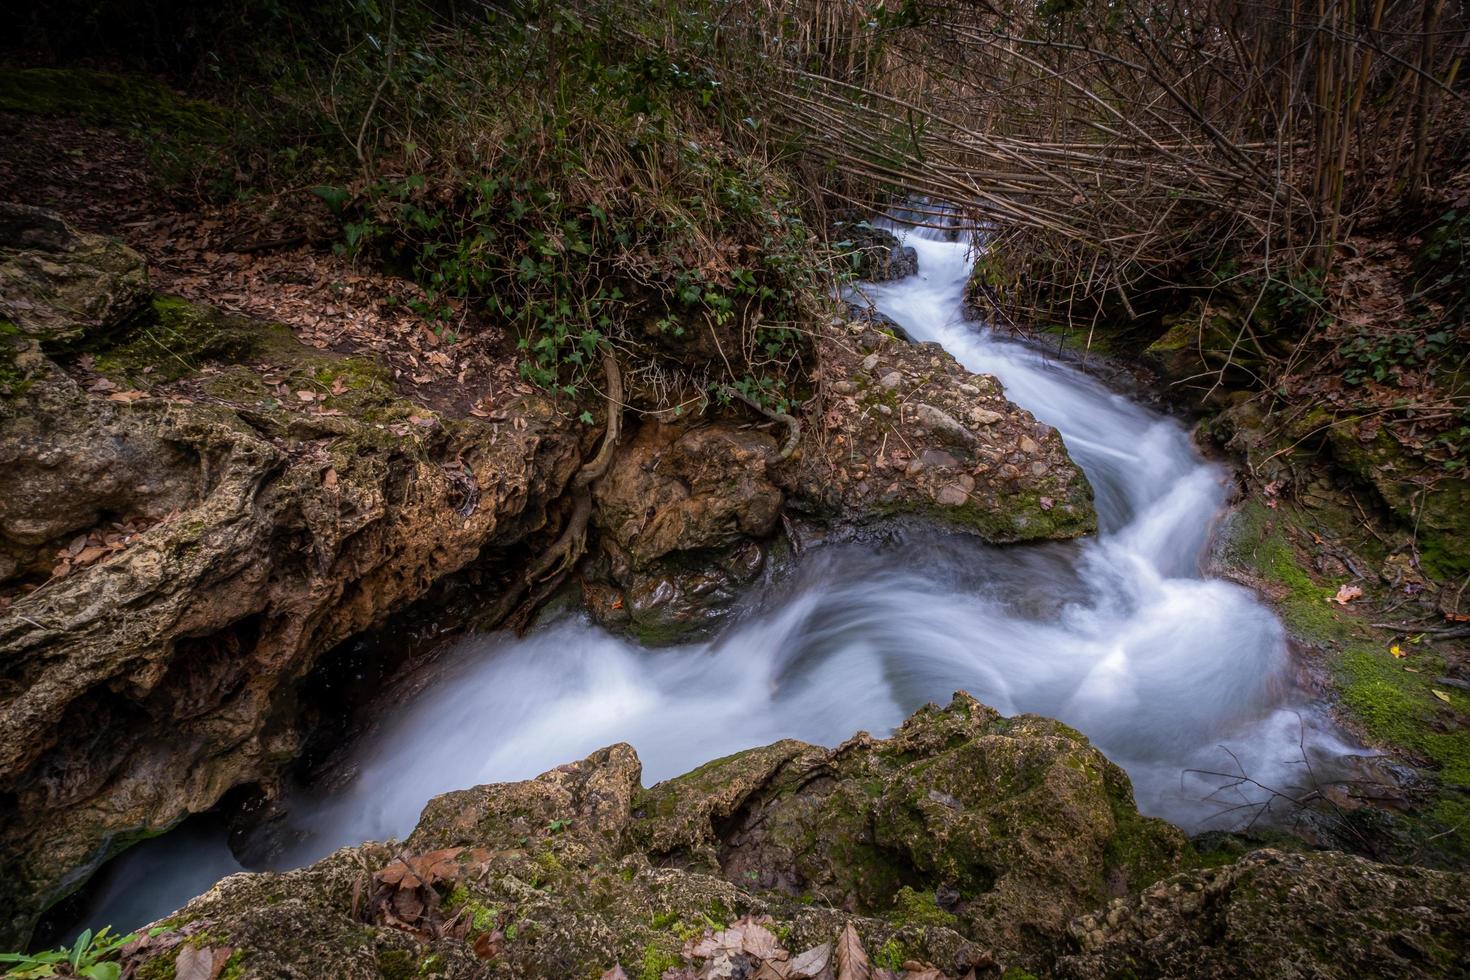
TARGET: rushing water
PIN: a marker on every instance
(1118, 635)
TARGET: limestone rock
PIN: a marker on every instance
(905, 430)
(146, 683)
(58, 284)
(1014, 825)
(684, 514)
(1282, 915)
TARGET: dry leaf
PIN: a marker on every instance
(811, 963)
(126, 397)
(1397, 651)
(329, 478)
(852, 959)
(200, 962)
(616, 973)
(1440, 694)
(1346, 594)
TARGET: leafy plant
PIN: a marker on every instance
(92, 956)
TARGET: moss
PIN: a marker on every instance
(396, 964)
(913, 908)
(102, 98)
(432, 966)
(1393, 707)
(889, 956)
(655, 961)
(1017, 973)
(172, 340)
(158, 968)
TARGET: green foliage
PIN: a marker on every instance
(1378, 355)
(583, 187)
(93, 955)
(1442, 267)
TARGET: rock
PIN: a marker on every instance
(876, 254)
(1280, 915)
(157, 674)
(970, 459)
(684, 515)
(57, 284)
(867, 316)
(1015, 825)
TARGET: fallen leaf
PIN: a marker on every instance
(306, 396)
(200, 962)
(810, 963)
(852, 959)
(1346, 594)
(616, 973)
(329, 479)
(1440, 694)
(1397, 651)
(126, 397)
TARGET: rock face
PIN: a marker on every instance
(1282, 915)
(964, 839)
(156, 667)
(57, 284)
(683, 515)
(907, 431)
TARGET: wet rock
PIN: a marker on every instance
(58, 284)
(1021, 817)
(960, 842)
(907, 431)
(876, 254)
(146, 677)
(1273, 914)
(684, 515)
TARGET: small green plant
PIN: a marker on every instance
(93, 956)
(1379, 356)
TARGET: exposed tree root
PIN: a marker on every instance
(545, 575)
(793, 425)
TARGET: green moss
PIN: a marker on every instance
(432, 966)
(396, 964)
(889, 956)
(911, 907)
(158, 968)
(102, 98)
(1394, 707)
(655, 961)
(1017, 973)
(173, 340)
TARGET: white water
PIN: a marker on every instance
(1119, 636)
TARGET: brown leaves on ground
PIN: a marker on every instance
(403, 894)
(201, 962)
(749, 949)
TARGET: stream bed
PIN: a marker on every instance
(1173, 675)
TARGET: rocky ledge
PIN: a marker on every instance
(192, 511)
(966, 845)
(906, 430)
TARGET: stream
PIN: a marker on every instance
(1119, 635)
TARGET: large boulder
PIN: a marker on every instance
(966, 840)
(58, 284)
(905, 430)
(179, 547)
(684, 515)
(1282, 915)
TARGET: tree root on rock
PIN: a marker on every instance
(545, 575)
